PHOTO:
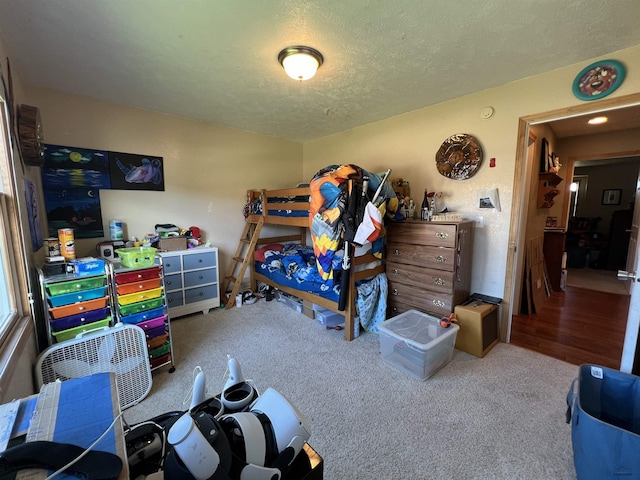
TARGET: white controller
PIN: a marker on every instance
(199, 390)
(193, 448)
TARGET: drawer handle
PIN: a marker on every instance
(396, 252)
(438, 281)
(395, 291)
(441, 259)
(395, 271)
(199, 260)
(169, 282)
(200, 277)
(439, 303)
(139, 275)
(81, 308)
(168, 264)
(442, 235)
(201, 293)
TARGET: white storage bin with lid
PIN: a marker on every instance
(415, 343)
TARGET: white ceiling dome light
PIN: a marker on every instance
(299, 62)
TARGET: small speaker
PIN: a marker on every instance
(106, 251)
(478, 324)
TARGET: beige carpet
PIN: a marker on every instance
(499, 417)
(595, 279)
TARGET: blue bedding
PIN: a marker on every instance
(295, 267)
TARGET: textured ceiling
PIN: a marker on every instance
(216, 60)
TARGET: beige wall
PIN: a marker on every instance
(207, 168)
(408, 144)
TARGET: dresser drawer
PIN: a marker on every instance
(438, 304)
(173, 282)
(395, 308)
(174, 299)
(200, 277)
(431, 257)
(171, 264)
(199, 260)
(423, 233)
(435, 280)
(202, 293)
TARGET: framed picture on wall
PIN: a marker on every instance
(611, 197)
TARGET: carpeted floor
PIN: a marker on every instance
(596, 279)
(499, 417)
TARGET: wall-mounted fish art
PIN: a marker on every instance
(136, 172)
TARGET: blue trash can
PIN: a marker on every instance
(605, 423)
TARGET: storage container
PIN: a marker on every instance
(605, 423)
(137, 257)
(327, 318)
(71, 321)
(415, 343)
(291, 302)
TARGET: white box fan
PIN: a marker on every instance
(121, 349)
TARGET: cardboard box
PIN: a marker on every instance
(478, 324)
(172, 243)
(307, 309)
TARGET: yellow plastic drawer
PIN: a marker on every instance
(139, 296)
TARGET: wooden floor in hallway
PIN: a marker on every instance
(576, 325)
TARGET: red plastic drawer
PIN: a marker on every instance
(139, 275)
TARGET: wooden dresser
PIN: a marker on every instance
(428, 266)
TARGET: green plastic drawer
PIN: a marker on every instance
(75, 285)
(75, 331)
(160, 351)
(141, 306)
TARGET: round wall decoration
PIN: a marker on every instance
(459, 157)
(598, 80)
(31, 135)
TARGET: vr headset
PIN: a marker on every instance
(258, 444)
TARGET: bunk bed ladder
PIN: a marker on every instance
(240, 261)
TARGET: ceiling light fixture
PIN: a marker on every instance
(598, 120)
(299, 62)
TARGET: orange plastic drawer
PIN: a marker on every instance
(128, 288)
(79, 307)
(139, 296)
(138, 275)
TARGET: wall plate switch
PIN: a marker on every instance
(479, 221)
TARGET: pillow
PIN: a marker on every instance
(260, 252)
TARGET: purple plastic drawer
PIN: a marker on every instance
(153, 323)
(71, 321)
(154, 332)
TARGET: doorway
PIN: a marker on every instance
(522, 180)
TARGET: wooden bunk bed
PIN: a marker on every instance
(290, 207)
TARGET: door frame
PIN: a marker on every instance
(521, 179)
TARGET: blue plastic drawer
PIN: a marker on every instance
(173, 282)
(200, 277)
(143, 316)
(81, 296)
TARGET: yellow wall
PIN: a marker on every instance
(408, 144)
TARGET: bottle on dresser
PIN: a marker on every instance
(424, 212)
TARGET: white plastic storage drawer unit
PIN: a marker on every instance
(191, 280)
(415, 343)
